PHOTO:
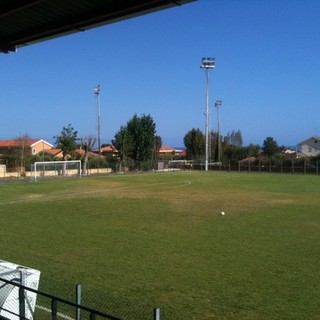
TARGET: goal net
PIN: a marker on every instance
(47, 169)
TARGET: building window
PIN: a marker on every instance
(33, 151)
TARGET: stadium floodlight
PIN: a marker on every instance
(97, 93)
(218, 105)
(207, 64)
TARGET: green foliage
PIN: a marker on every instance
(235, 153)
(194, 142)
(234, 138)
(157, 143)
(136, 140)
(97, 162)
(67, 140)
(142, 130)
(123, 142)
(270, 147)
(20, 157)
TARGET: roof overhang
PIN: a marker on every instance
(24, 22)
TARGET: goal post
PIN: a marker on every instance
(56, 169)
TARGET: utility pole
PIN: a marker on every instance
(218, 105)
(97, 93)
(207, 64)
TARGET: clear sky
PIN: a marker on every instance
(267, 74)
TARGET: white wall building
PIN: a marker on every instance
(311, 146)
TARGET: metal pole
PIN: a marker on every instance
(97, 93)
(207, 119)
(207, 63)
(78, 301)
(22, 302)
(218, 106)
(156, 314)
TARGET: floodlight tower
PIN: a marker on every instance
(218, 105)
(207, 64)
(97, 93)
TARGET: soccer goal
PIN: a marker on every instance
(47, 169)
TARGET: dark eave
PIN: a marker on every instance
(23, 22)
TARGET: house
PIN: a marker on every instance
(248, 160)
(81, 153)
(164, 150)
(310, 147)
(57, 153)
(108, 151)
(14, 153)
(35, 145)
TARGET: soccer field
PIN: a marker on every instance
(159, 240)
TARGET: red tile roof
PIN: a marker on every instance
(166, 149)
(82, 152)
(108, 149)
(17, 142)
(53, 151)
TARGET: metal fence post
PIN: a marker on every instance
(22, 305)
(54, 309)
(156, 314)
(22, 302)
(78, 301)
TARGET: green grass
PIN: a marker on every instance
(158, 240)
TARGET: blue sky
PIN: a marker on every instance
(267, 74)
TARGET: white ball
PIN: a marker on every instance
(222, 213)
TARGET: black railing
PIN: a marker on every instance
(55, 307)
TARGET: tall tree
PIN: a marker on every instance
(235, 138)
(194, 141)
(142, 130)
(123, 143)
(136, 139)
(270, 147)
(157, 146)
(23, 153)
(67, 140)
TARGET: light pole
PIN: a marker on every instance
(97, 93)
(218, 105)
(207, 64)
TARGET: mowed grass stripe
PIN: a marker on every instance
(158, 240)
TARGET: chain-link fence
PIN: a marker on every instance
(62, 301)
(127, 308)
(302, 166)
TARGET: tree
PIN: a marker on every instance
(253, 150)
(235, 138)
(157, 146)
(157, 143)
(67, 140)
(87, 144)
(194, 141)
(23, 153)
(142, 130)
(123, 143)
(270, 147)
(136, 139)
